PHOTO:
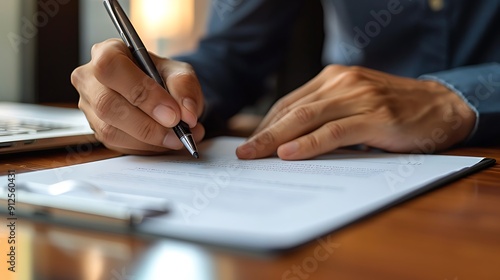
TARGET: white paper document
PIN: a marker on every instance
(266, 203)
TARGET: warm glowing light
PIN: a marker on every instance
(162, 19)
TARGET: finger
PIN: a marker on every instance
(113, 137)
(121, 115)
(172, 140)
(344, 132)
(183, 85)
(299, 121)
(282, 106)
(314, 84)
(111, 108)
(307, 116)
(129, 147)
(80, 78)
(334, 80)
(114, 68)
(168, 67)
(287, 103)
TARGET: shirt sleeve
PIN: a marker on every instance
(245, 43)
(479, 86)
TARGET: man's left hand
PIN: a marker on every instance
(345, 106)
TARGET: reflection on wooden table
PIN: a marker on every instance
(450, 233)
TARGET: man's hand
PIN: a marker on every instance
(344, 106)
(129, 111)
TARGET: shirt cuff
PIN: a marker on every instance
(430, 77)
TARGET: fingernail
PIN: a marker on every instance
(171, 141)
(165, 115)
(246, 151)
(289, 149)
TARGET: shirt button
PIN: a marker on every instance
(436, 5)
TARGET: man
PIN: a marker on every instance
(401, 75)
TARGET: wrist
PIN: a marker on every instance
(458, 113)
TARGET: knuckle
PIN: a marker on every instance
(357, 69)
(106, 45)
(103, 104)
(332, 68)
(314, 143)
(105, 59)
(147, 132)
(103, 64)
(266, 139)
(80, 78)
(185, 80)
(353, 75)
(106, 133)
(303, 114)
(95, 48)
(139, 93)
(280, 108)
(174, 68)
(335, 130)
(180, 67)
(107, 107)
(370, 89)
(188, 68)
(371, 95)
(80, 104)
(76, 76)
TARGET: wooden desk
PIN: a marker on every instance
(451, 233)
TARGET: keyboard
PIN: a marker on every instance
(15, 127)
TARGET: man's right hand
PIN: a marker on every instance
(128, 111)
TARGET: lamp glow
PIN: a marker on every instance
(162, 19)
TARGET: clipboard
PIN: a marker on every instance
(81, 202)
(286, 209)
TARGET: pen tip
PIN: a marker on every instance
(196, 155)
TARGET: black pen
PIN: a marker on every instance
(139, 52)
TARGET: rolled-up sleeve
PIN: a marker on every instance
(479, 86)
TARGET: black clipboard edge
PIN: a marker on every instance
(455, 176)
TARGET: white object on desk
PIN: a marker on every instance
(266, 203)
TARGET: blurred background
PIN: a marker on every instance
(42, 41)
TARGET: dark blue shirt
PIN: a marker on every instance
(455, 42)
